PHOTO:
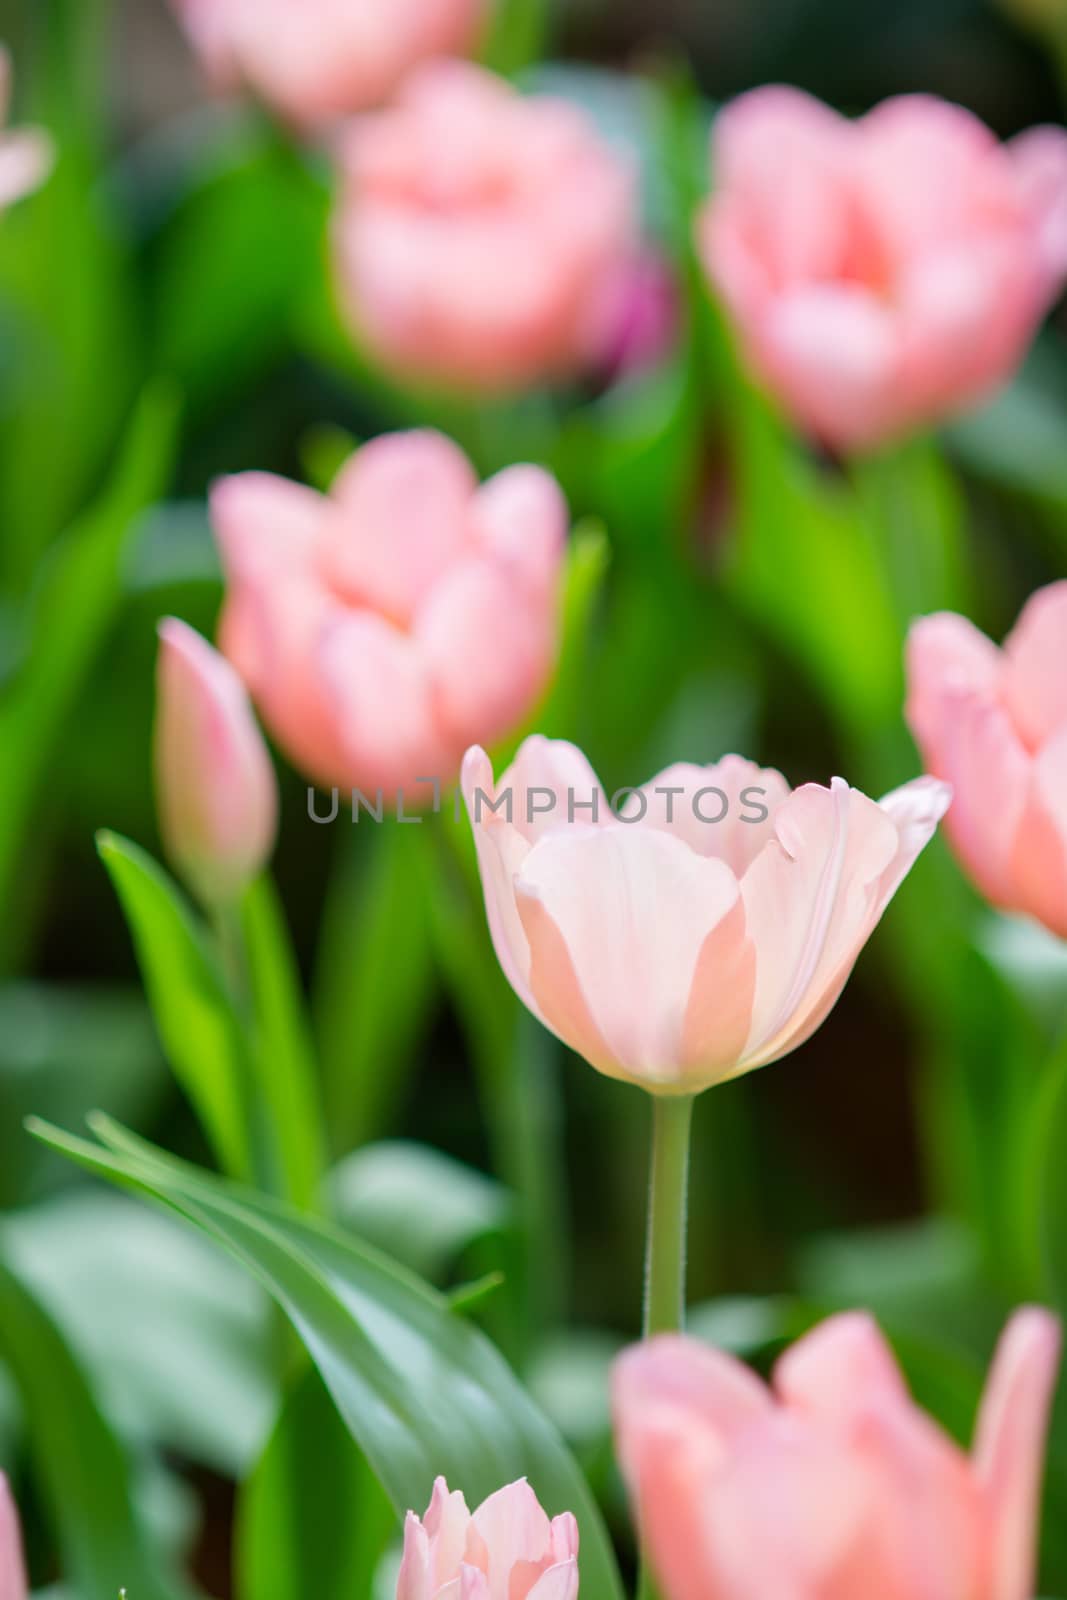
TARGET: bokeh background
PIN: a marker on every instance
(161, 323)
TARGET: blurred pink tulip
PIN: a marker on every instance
(832, 1484)
(508, 1550)
(385, 626)
(12, 1571)
(705, 930)
(215, 785)
(324, 59)
(480, 234)
(25, 153)
(887, 272)
(993, 723)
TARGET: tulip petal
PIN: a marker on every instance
(551, 782)
(501, 847)
(1038, 865)
(946, 654)
(724, 810)
(633, 908)
(810, 900)
(1035, 659)
(1039, 158)
(488, 651)
(983, 759)
(392, 741)
(265, 525)
(840, 1370)
(831, 350)
(13, 1584)
(1009, 1445)
(401, 516)
(26, 158)
(520, 518)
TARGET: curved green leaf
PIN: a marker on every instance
(192, 1011)
(421, 1390)
(80, 1464)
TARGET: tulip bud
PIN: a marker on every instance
(215, 786)
(508, 1546)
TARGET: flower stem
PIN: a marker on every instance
(668, 1191)
(672, 1118)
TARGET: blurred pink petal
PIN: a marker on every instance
(1010, 1442)
(838, 1485)
(480, 234)
(319, 61)
(887, 272)
(26, 154)
(386, 626)
(13, 1584)
(993, 724)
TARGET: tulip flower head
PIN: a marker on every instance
(832, 1484)
(705, 929)
(25, 153)
(12, 1572)
(325, 59)
(993, 723)
(883, 273)
(384, 627)
(215, 784)
(507, 1550)
(482, 236)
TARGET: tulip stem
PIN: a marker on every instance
(672, 1120)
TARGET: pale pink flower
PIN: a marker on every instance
(480, 234)
(706, 929)
(324, 59)
(887, 272)
(26, 154)
(215, 787)
(993, 723)
(383, 627)
(832, 1484)
(12, 1572)
(508, 1549)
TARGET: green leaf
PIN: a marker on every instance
(79, 1463)
(312, 1519)
(284, 1063)
(77, 599)
(229, 277)
(422, 1391)
(177, 1345)
(193, 1016)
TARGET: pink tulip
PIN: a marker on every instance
(832, 1484)
(508, 1550)
(215, 784)
(481, 235)
(882, 273)
(25, 153)
(705, 930)
(385, 626)
(324, 59)
(993, 723)
(12, 1571)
